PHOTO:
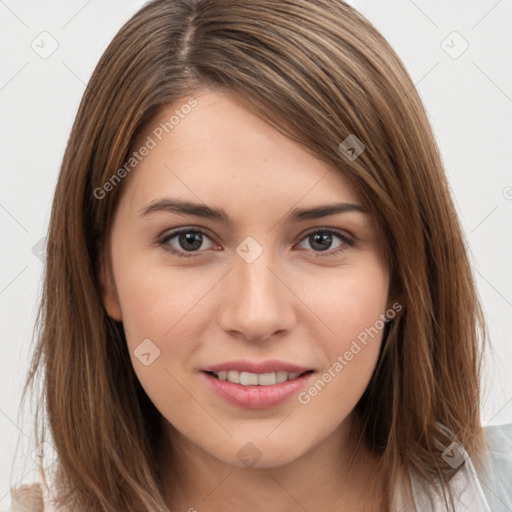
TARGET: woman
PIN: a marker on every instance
(317, 344)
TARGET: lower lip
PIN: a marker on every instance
(257, 397)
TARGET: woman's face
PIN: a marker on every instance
(253, 283)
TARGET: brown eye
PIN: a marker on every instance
(322, 240)
(187, 241)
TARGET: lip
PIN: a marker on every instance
(268, 366)
(256, 397)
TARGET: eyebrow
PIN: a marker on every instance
(201, 210)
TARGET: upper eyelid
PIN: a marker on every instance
(334, 230)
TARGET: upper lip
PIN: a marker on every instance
(268, 366)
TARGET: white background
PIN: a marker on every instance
(468, 99)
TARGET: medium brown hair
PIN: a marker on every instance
(318, 72)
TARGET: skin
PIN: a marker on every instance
(295, 302)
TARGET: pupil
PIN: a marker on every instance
(324, 240)
(193, 238)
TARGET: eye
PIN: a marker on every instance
(188, 241)
(321, 240)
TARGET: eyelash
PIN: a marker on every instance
(163, 241)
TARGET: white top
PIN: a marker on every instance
(489, 490)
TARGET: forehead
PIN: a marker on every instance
(220, 147)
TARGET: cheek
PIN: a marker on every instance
(351, 310)
(157, 301)
(163, 316)
(352, 355)
(350, 304)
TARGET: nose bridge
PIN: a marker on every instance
(256, 303)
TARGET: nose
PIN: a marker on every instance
(257, 302)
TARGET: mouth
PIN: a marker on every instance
(256, 390)
(257, 379)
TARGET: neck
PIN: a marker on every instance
(337, 475)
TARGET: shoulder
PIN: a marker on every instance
(495, 475)
(27, 497)
(34, 497)
(488, 488)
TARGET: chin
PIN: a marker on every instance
(261, 454)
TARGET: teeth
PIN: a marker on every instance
(282, 376)
(233, 376)
(256, 379)
(248, 379)
(267, 379)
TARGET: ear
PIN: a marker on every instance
(109, 294)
